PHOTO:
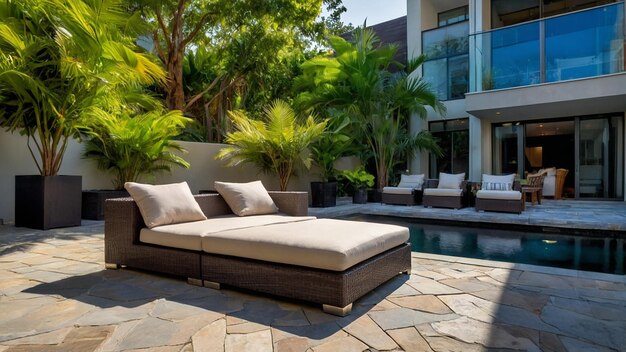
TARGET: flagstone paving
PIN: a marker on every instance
(56, 296)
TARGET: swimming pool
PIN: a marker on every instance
(607, 255)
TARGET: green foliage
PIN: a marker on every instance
(277, 145)
(333, 144)
(62, 63)
(134, 146)
(377, 93)
(359, 178)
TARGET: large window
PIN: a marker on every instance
(453, 138)
(509, 12)
(447, 62)
(453, 16)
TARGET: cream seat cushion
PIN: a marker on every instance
(443, 192)
(500, 195)
(323, 243)
(189, 235)
(397, 190)
(246, 198)
(165, 204)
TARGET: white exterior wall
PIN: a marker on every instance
(16, 160)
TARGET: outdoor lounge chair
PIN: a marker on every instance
(500, 193)
(446, 192)
(408, 191)
(289, 254)
(553, 182)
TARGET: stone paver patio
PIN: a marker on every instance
(56, 296)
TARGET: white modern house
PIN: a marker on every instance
(528, 84)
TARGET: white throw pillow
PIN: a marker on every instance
(450, 181)
(498, 182)
(411, 181)
(551, 171)
(165, 204)
(246, 198)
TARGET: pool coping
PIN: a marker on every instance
(548, 270)
(522, 222)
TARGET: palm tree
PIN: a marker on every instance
(64, 61)
(133, 146)
(363, 79)
(277, 145)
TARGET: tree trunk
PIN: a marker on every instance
(175, 94)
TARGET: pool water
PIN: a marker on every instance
(607, 255)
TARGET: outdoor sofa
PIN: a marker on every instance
(500, 193)
(449, 191)
(408, 191)
(289, 254)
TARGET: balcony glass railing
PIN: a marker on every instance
(581, 44)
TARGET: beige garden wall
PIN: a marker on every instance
(16, 160)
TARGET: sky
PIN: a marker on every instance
(376, 11)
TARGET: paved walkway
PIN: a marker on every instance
(580, 216)
(56, 296)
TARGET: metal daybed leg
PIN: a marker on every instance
(211, 284)
(111, 266)
(195, 282)
(339, 311)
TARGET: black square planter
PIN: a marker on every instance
(45, 202)
(93, 202)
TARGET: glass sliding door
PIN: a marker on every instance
(453, 139)
(508, 149)
(600, 163)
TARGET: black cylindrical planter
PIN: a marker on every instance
(359, 196)
(323, 194)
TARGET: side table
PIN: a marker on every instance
(535, 194)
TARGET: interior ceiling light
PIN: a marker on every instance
(549, 241)
(497, 112)
(540, 125)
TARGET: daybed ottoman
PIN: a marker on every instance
(331, 262)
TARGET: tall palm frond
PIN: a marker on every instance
(277, 145)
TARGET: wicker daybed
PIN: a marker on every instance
(333, 288)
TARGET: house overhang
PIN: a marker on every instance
(588, 96)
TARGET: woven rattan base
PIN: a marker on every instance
(314, 285)
(507, 206)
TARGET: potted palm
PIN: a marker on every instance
(61, 64)
(331, 145)
(278, 145)
(131, 147)
(360, 180)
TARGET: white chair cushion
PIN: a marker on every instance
(499, 195)
(397, 190)
(443, 192)
(411, 181)
(246, 198)
(450, 181)
(165, 204)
